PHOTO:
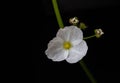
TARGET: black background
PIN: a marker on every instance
(103, 54)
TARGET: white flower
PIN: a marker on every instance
(67, 45)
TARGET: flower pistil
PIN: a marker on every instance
(67, 45)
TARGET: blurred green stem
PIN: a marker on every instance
(61, 25)
(90, 37)
(91, 78)
(57, 13)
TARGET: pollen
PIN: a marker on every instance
(67, 45)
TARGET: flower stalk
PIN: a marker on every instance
(87, 72)
(57, 13)
(89, 37)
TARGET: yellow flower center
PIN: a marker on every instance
(67, 45)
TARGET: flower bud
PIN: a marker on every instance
(82, 25)
(74, 20)
(98, 33)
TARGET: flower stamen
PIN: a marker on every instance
(67, 45)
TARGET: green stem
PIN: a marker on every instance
(89, 37)
(87, 72)
(57, 13)
(60, 23)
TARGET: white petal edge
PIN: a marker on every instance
(54, 45)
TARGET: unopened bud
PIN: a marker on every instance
(82, 25)
(74, 20)
(98, 33)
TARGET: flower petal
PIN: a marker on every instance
(77, 52)
(55, 50)
(76, 35)
(76, 42)
(64, 33)
(57, 40)
(70, 33)
(61, 55)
